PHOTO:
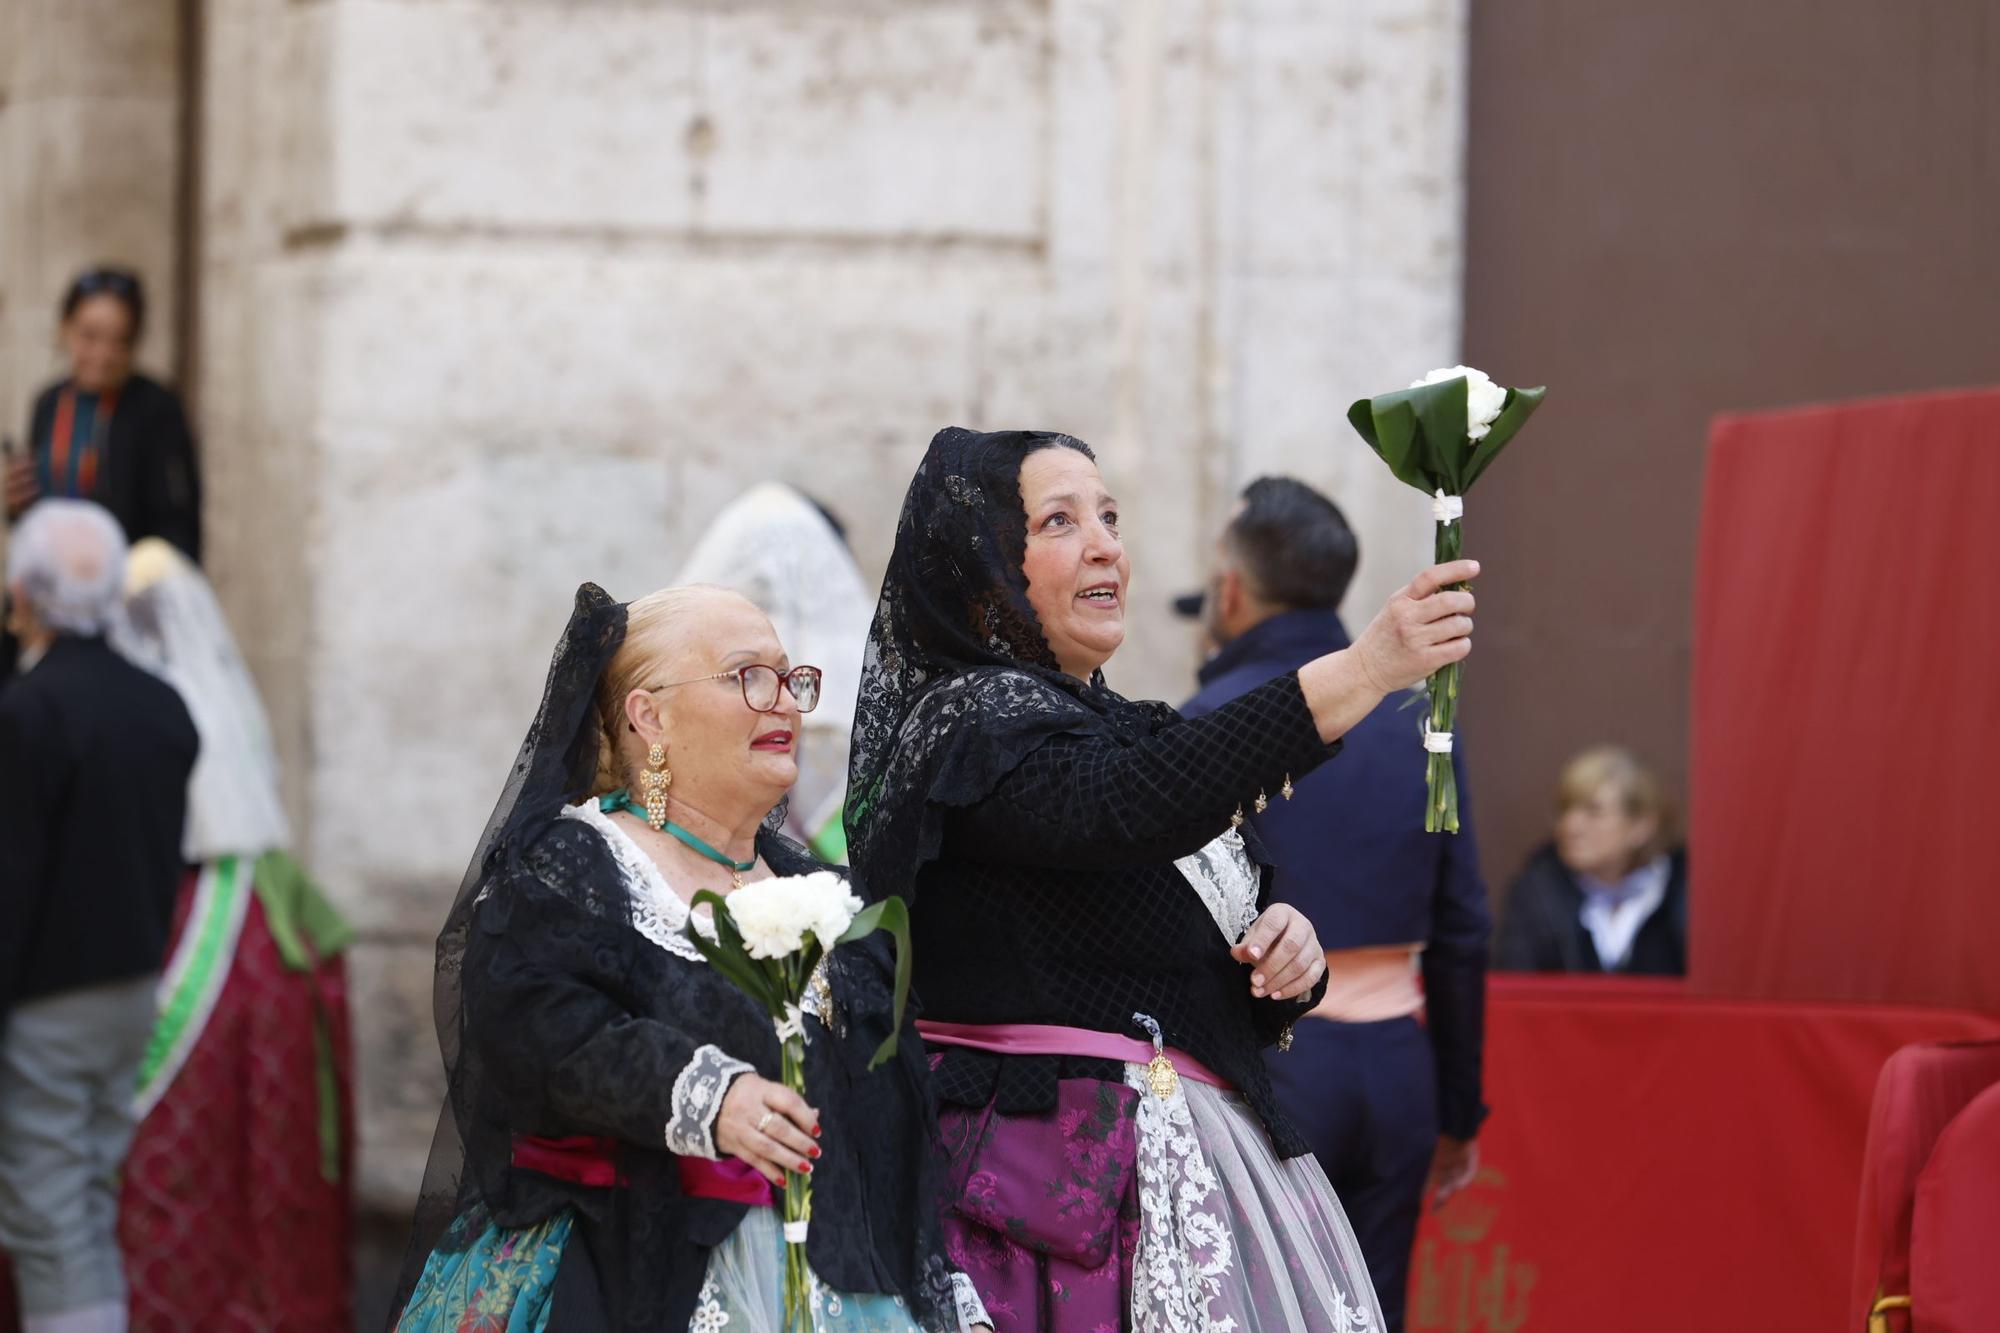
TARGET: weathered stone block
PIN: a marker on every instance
(399, 1075)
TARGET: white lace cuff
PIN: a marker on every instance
(971, 1310)
(697, 1100)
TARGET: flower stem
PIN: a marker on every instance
(798, 1187)
(1441, 805)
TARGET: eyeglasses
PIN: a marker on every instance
(760, 685)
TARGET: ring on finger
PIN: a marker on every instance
(765, 1119)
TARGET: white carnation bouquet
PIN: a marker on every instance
(770, 938)
(1438, 435)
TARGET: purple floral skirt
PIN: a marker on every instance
(1120, 1209)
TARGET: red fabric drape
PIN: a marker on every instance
(1658, 1162)
(1846, 721)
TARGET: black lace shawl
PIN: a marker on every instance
(1048, 810)
(557, 1018)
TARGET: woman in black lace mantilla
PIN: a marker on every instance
(1097, 956)
(616, 1122)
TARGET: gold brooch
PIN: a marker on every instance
(1162, 1079)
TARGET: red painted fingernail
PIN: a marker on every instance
(815, 1131)
(813, 1152)
(806, 1168)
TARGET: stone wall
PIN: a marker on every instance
(498, 297)
(90, 104)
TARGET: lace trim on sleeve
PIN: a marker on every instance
(657, 911)
(971, 1310)
(697, 1100)
(1224, 876)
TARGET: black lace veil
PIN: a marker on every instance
(959, 683)
(555, 767)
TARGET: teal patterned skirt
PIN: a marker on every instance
(482, 1279)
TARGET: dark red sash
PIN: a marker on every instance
(589, 1160)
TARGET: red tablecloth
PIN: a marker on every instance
(1657, 1161)
(1845, 724)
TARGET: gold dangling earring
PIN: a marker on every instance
(1286, 790)
(654, 782)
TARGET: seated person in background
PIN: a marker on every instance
(1606, 895)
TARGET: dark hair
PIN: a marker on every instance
(122, 284)
(1294, 544)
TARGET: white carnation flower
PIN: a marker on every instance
(774, 915)
(831, 904)
(767, 918)
(1483, 398)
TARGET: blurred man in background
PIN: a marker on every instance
(1391, 1105)
(95, 755)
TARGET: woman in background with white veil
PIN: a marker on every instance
(235, 1210)
(779, 549)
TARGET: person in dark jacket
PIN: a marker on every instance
(1608, 894)
(95, 755)
(107, 433)
(1391, 1105)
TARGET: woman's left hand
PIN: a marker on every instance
(1284, 951)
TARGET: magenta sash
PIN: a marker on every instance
(592, 1160)
(1050, 1039)
(729, 1178)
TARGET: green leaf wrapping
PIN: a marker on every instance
(1440, 410)
(892, 915)
(1421, 433)
(1521, 404)
(1389, 424)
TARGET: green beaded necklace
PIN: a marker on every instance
(622, 800)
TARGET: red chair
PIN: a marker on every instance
(1954, 1280)
(1921, 1088)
